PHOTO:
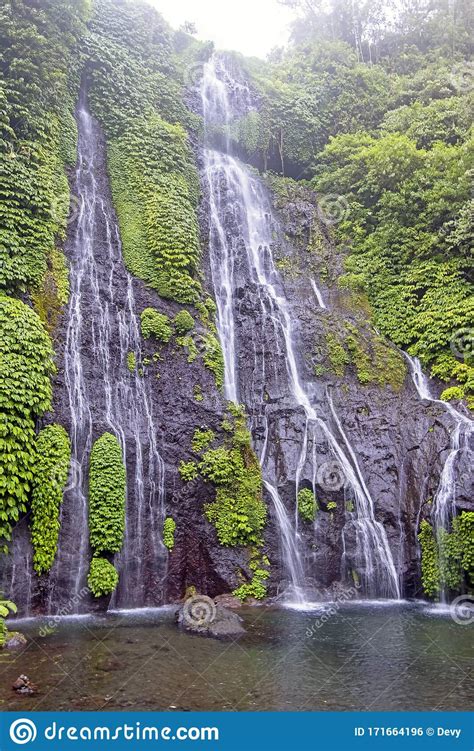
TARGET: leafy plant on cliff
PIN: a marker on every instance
(6, 607)
(155, 324)
(307, 504)
(238, 513)
(183, 322)
(447, 559)
(38, 87)
(169, 527)
(26, 363)
(103, 577)
(53, 454)
(107, 487)
(136, 93)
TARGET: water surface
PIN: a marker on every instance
(361, 657)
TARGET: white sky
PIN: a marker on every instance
(252, 27)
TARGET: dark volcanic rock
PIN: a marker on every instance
(201, 615)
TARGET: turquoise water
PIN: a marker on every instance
(356, 657)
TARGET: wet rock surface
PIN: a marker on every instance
(202, 615)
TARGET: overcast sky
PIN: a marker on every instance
(252, 27)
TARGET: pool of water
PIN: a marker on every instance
(351, 657)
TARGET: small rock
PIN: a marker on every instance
(24, 686)
(201, 615)
(228, 601)
(15, 640)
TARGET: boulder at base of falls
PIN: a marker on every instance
(201, 615)
(15, 640)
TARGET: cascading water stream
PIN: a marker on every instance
(445, 497)
(103, 395)
(240, 239)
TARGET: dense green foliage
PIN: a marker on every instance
(447, 559)
(103, 577)
(256, 588)
(155, 324)
(307, 504)
(39, 79)
(374, 106)
(136, 94)
(26, 362)
(183, 322)
(169, 527)
(202, 439)
(238, 513)
(107, 487)
(53, 455)
(6, 607)
(374, 359)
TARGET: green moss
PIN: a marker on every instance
(153, 184)
(131, 362)
(190, 345)
(155, 324)
(169, 527)
(454, 393)
(107, 486)
(213, 358)
(50, 297)
(331, 506)
(26, 363)
(238, 513)
(188, 471)
(183, 322)
(53, 454)
(256, 588)
(202, 439)
(307, 504)
(6, 607)
(103, 577)
(37, 96)
(197, 393)
(375, 360)
(337, 354)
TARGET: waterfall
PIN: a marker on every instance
(240, 239)
(318, 295)
(103, 395)
(444, 499)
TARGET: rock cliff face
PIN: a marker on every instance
(360, 389)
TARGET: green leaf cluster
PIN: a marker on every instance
(136, 92)
(238, 513)
(26, 363)
(155, 324)
(107, 490)
(447, 559)
(51, 468)
(103, 577)
(169, 527)
(307, 505)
